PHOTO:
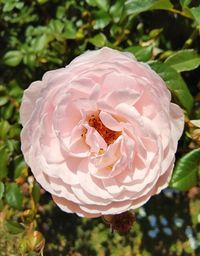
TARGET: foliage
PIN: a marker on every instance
(41, 35)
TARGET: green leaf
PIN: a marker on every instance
(116, 10)
(19, 5)
(102, 4)
(8, 111)
(14, 196)
(12, 58)
(13, 146)
(56, 26)
(141, 53)
(196, 14)
(60, 12)
(98, 40)
(175, 83)
(162, 5)
(40, 43)
(9, 6)
(154, 33)
(36, 193)
(185, 175)
(3, 100)
(184, 60)
(14, 131)
(29, 59)
(20, 167)
(14, 227)
(2, 90)
(134, 7)
(4, 157)
(4, 129)
(15, 91)
(102, 19)
(69, 30)
(42, 1)
(185, 2)
(2, 188)
(91, 2)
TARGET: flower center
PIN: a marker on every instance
(108, 135)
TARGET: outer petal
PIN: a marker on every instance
(29, 101)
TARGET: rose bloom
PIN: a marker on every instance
(101, 134)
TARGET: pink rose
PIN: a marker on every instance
(100, 134)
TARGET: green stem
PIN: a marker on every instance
(180, 13)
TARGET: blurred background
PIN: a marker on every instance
(40, 35)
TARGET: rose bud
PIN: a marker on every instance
(120, 222)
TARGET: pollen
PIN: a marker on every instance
(108, 135)
(101, 151)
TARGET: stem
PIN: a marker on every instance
(181, 13)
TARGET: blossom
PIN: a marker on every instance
(101, 134)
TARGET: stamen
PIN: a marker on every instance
(108, 135)
(101, 151)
